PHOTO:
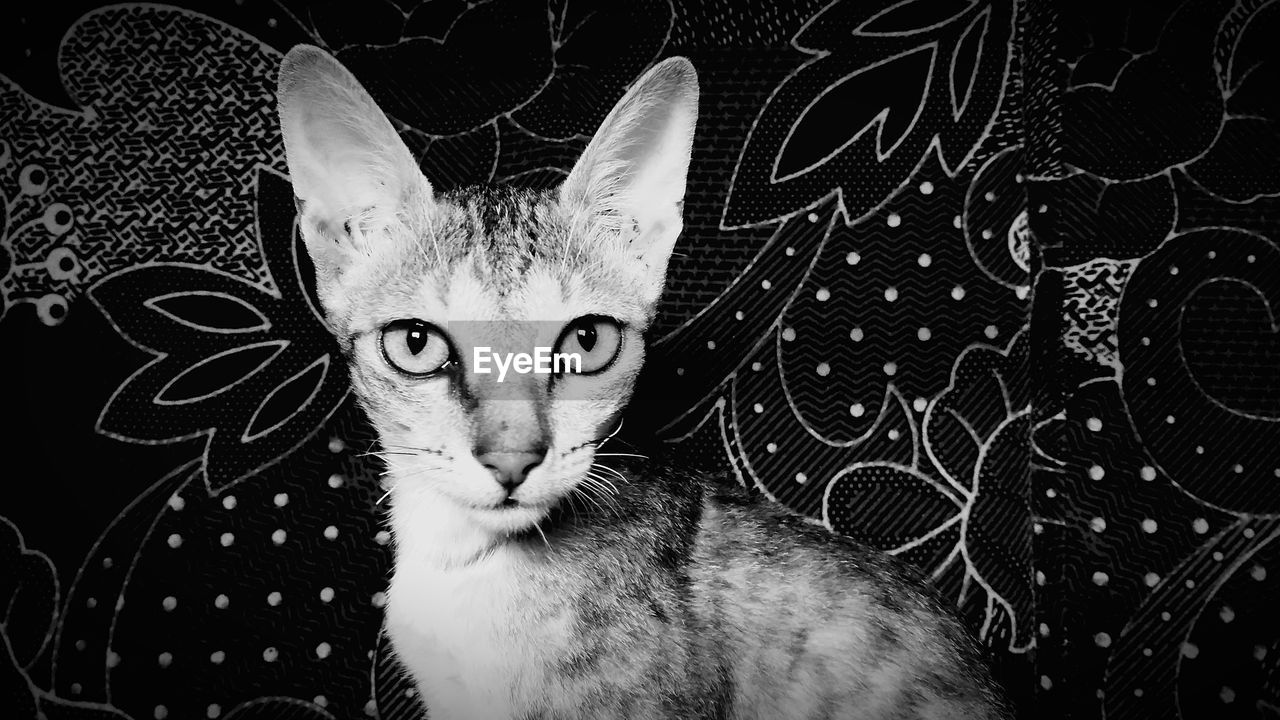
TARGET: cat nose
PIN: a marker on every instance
(511, 468)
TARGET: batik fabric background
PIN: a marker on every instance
(988, 285)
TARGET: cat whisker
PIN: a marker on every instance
(418, 467)
(627, 443)
(634, 455)
(602, 478)
(414, 472)
(573, 506)
(606, 492)
(595, 492)
(615, 472)
(419, 450)
(545, 541)
(601, 509)
(617, 439)
(587, 481)
(600, 443)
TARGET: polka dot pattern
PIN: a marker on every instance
(205, 590)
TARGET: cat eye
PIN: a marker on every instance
(415, 348)
(595, 339)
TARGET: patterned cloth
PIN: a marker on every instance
(989, 285)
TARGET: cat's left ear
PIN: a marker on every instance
(351, 171)
(632, 175)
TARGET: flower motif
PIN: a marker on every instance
(977, 438)
(1131, 116)
(1197, 107)
(936, 76)
(250, 367)
(551, 85)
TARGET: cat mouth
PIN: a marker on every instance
(509, 516)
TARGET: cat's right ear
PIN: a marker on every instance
(351, 172)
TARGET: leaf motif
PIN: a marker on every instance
(902, 82)
(209, 376)
(287, 400)
(137, 303)
(209, 311)
(252, 370)
(910, 17)
(964, 62)
(897, 84)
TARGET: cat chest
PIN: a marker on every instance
(485, 637)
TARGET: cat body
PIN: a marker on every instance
(538, 575)
(691, 601)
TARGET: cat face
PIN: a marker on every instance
(495, 334)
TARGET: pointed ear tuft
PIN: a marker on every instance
(633, 172)
(351, 172)
(343, 153)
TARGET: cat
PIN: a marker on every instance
(530, 579)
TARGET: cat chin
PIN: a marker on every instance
(508, 520)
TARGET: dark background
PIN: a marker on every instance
(987, 284)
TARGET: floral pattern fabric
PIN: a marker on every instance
(987, 285)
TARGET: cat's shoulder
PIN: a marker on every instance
(743, 528)
(746, 527)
